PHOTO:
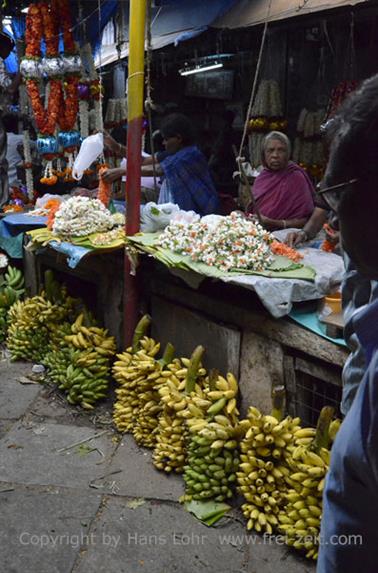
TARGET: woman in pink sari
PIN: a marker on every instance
(283, 191)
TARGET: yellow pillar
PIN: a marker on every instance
(134, 144)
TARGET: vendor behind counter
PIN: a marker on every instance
(186, 176)
(283, 192)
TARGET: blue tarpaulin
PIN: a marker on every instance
(173, 21)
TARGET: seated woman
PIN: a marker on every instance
(186, 177)
(283, 192)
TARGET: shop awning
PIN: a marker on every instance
(252, 12)
(173, 21)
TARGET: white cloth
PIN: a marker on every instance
(13, 156)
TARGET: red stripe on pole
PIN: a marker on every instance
(134, 160)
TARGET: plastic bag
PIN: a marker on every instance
(90, 149)
(41, 201)
(185, 217)
(155, 217)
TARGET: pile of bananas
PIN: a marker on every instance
(183, 379)
(308, 459)
(263, 470)
(29, 327)
(90, 350)
(213, 456)
(11, 289)
(136, 371)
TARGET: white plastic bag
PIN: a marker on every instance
(156, 217)
(90, 149)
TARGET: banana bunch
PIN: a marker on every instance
(150, 405)
(3, 323)
(170, 449)
(135, 371)
(11, 289)
(212, 462)
(262, 471)
(29, 331)
(308, 462)
(15, 280)
(180, 382)
(57, 363)
(222, 392)
(86, 379)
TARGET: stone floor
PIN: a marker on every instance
(101, 506)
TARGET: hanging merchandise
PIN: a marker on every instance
(116, 113)
(56, 77)
(338, 94)
(28, 165)
(308, 149)
(349, 71)
(266, 115)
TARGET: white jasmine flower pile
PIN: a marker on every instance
(81, 216)
(233, 243)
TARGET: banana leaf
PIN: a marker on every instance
(209, 512)
(281, 267)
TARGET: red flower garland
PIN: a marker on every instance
(63, 104)
(68, 114)
(33, 32)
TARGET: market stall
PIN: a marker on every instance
(255, 314)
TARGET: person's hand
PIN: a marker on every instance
(111, 175)
(295, 238)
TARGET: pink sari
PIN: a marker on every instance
(285, 194)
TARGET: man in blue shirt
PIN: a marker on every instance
(349, 533)
(186, 176)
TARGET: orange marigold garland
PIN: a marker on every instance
(33, 32)
(51, 216)
(278, 248)
(104, 189)
(68, 114)
(45, 118)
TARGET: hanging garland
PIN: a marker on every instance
(43, 22)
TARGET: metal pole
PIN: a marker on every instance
(134, 145)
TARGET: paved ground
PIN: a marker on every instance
(101, 506)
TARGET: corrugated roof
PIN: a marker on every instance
(252, 12)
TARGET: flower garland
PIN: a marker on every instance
(266, 115)
(104, 189)
(42, 19)
(28, 165)
(308, 148)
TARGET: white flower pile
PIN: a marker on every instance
(233, 243)
(81, 216)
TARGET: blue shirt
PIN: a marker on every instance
(357, 291)
(187, 181)
(349, 532)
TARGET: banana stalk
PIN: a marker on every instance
(192, 372)
(140, 331)
(278, 400)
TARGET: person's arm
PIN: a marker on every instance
(117, 148)
(310, 229)
(111, 175)
(150, 171)
(278, 224)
